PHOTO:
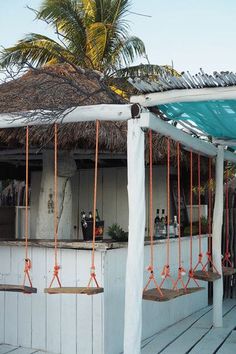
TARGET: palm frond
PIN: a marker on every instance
(35, 49)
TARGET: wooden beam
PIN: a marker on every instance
(216, 238)
(103, 112)
(150, 121)
(185, 95)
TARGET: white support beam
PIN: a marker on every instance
(103, 112)
(137, 215)
(150, 121)
(185, 95)
(216, 238)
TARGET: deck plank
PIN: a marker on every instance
(163, 338)
(201, 320)
(187, 340)
(5, 348)
(229, 346)
(211, 341)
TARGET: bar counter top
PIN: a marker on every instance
(104, 245)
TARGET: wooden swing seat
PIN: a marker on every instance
(74, 290)
(208, 276)
(18, 288)
(228, 271)
(168, 294)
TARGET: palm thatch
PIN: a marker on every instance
(60, 87)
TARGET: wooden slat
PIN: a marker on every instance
(18, 288)
(206, 276)
(228, 271)
(74, 290)
(229, 345)
(168, 294)
(5, 348)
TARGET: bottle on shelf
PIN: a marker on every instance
(163, 215)
(90, 216)
(83, 219)
(97, 216)
(176, 226)
(156, 223)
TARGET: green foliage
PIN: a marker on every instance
(117, 233)
(91, 33)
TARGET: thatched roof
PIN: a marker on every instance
(55, 87)
(61, 86)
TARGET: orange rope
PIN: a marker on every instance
(209, 261)
(226, 260)
(28, 264)
(191, 273)
(92, 273)
(200, 255)
(151, 266)
(166, 269)
(181, 270)
(56, 265)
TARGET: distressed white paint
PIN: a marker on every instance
(193, 95)
(137, 213)
(84, 324)
(111, 112)
(216, 238)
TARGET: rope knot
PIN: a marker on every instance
(28, 264)
(182, 271)
(92, 272)
(56, 270)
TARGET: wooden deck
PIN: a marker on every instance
(192, 335)
(195, 334)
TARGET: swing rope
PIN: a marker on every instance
(200, 255)
(151, 266)
(28, 264)
(92, 269)
(181, 270)
(56, 265)
(166, 269)
(209, 252)
(226, 260)
(191, 273)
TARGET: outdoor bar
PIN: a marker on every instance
(117, 270)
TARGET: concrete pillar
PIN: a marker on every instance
(45, 223)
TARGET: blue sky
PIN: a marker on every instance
(192, 33)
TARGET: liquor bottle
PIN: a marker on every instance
(163, 215)
(176, 226)
(90, 216)
(83, 219)
(97, 216)
(156, 223)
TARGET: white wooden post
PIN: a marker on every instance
(216, 238)
(134, 267)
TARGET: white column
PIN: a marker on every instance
(45, 217)
(134, 267)
(216, 238)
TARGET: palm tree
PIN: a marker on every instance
(91, 34)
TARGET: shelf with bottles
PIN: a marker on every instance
(161, 227)
(87, 226)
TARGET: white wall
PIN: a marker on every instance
(70, 324)
(112, 199)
